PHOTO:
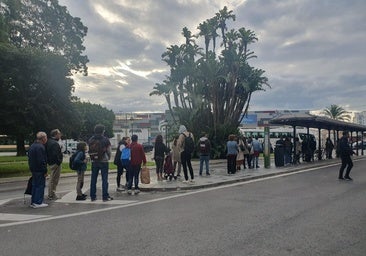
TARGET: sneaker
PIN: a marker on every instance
(52, 197)
(129, 192)
(348, 178)
(32, 205)
(340, 178)
(191, 181)
(120, 188)
(93, 199)
(80, 198)
(42, 205)
(185, 181)
(208, 174)
(108, 199)
(137, 191)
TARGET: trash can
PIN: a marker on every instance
(279, 154)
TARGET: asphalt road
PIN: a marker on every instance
(308, 213)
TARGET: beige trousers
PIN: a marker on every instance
(55, 171)
(80, 183)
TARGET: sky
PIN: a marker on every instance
(313, 51)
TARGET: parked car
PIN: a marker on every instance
(147, 146)
(359, 145)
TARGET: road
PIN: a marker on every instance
(307, 213)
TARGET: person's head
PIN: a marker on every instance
(41, 137)
(56, 134)
(231, 137)
(81, 146)
(345, 133)
(134, 138)
(99, 129)
(182, 129)
(159, 139)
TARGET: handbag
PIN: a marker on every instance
(145, 175)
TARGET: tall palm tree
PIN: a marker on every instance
(337, 112)
(222, 16)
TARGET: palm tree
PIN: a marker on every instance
(337, 112)
(222, 16)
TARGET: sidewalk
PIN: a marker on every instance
(219, 175)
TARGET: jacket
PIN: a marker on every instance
(137, 154)
(54, 153)
(79, 161)
(37, 158)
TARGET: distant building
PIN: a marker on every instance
(260, 118)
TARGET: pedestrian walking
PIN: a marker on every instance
(345, 153)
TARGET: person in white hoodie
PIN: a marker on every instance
(204, 147)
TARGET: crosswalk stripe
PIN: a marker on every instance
(20, 217)
(71, 196)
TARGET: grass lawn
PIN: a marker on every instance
(16, 166)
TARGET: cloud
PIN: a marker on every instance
(312, 51)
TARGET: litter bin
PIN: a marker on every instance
(279, 154)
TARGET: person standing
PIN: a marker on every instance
(257, 149)
(37, 161)
(186, 146)
(160, 149)
(204, 149)
(232, 151)
(329, 146)
(54, 160)
(137, 158)
(100, 153)
(345, 153)
(81, 162)
(176, 157)
(120, 167)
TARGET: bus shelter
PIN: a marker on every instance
(321, 123)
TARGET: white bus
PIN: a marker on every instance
(276, 133)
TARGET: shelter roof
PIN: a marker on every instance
(320, 122)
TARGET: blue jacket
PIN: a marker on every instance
(232, 147)
(79, 161)
(37, 158)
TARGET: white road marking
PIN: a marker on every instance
(162, 198)
(5, 201)
(20, 217)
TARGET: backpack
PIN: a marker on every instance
(204, 146)
(188, 144)
(126, 156)
(96, 149)
(72, 164)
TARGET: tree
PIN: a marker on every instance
(41, 46)
(207, 91)
(337, 112)
(88, 116)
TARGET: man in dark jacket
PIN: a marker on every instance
(345, 152)
(37, 161)
(54, 160)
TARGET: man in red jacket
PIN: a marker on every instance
(137, 158)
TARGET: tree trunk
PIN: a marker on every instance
(20, 145)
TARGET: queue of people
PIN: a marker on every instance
(45, 156)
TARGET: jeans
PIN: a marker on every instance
(204, 159)
(103, 167)
(134, 173)
(38, 185)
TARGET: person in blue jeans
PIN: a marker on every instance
(37, 160)
(101, 163)
(204, 147)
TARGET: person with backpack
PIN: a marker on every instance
(160, 149)
(79, 162)
(186, 148)
(118, 162)
(100, 153)
(204, 146)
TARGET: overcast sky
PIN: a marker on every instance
(313, 51)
